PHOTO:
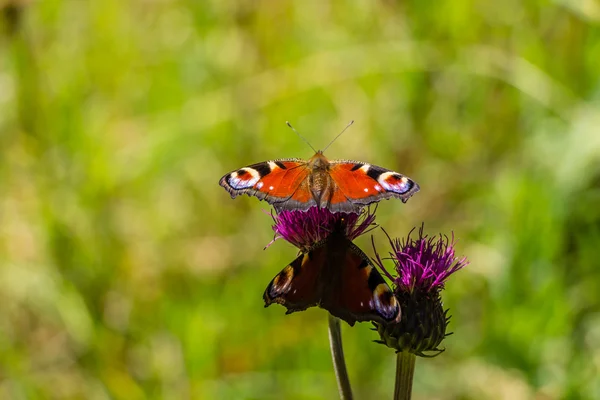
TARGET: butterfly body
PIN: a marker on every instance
(339, 185)
(337, 276)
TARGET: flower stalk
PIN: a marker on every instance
(405, 371)
(337, 356)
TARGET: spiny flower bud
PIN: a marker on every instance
(422, 327)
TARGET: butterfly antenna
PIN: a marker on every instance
(300, 136)
(339, 134)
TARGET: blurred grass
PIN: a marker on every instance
(128, 273)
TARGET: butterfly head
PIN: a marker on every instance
(318, 162)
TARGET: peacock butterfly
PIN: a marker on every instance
(339, 185)
(336, 275)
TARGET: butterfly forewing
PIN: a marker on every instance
(295, 286)
(363, 294)
(272, 181)
(364, 183)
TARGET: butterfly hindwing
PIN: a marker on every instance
(338, 277)
(363, 183)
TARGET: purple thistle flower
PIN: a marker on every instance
(304, 229)
(424, 263)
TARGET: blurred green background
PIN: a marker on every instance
(128, 273)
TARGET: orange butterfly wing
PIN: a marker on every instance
(272, 181)
(363, 183)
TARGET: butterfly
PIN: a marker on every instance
(335, 275)
(339, 185)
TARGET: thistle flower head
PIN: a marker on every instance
(422, 265)
(304, 229)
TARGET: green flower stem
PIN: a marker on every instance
(337, 354)
(405, 371)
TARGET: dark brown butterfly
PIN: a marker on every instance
(335, 275)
